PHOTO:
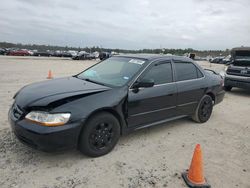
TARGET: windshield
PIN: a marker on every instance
(242, 58)
(242, 55)
(115, 71)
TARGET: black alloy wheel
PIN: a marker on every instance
(204, 110)
(99, 135)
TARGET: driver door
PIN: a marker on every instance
(149, 105)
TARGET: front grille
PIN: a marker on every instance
(239, 72)
(16, 112)
(233, 71)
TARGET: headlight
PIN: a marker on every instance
(47, 119)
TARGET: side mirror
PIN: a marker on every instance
(144, 83)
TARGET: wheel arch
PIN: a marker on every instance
(212, 95)
(109, 110)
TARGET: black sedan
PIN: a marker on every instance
(84, 56)
(90, 111)
(218, 60)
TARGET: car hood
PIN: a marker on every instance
(45, 92)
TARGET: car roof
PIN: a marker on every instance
(154, 56)
(241, 49)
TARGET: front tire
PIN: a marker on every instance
(100, 135)
(203, 110)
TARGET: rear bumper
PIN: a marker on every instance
(44, 138)
(219, 97)
(237, 81)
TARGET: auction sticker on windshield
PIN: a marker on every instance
(136, 61)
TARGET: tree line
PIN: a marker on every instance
(43, 48)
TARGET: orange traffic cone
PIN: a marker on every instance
(194, 176)
(50, 75)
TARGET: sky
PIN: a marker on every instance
(127, 24)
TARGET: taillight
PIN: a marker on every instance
(222, 82)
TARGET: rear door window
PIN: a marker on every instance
(186, 71)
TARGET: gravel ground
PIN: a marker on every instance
(153, 157)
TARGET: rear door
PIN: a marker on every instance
(190, 86)
(156, 103)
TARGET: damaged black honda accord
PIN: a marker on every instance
(90, 111)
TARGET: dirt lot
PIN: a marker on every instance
(153, 157)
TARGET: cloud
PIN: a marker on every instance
(187, 37)
(200, 24)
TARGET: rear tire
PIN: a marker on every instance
(99, 135)
(228, 88)
(203, 110)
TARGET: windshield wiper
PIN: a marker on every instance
(93, 81)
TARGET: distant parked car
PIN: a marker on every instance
(62, 54)
(66, 54)
(226, 60)
(72, 52)
(84, 56)
(91, 56)
(80, 56)
(96, 54)
(44, 54)
(217, 60)
(2, 51)
(59, 53)
(19, 53)
(238, 73)
(104, 55)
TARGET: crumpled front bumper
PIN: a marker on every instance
(44, 138)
